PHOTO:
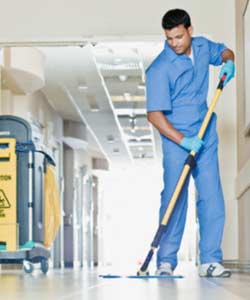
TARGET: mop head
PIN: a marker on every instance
(109, 276)
(141, 275)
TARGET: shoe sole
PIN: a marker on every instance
(225, 274)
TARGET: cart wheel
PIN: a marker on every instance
(28, 267)
(44, 265)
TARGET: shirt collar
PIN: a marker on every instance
(173, 56)
(170, 52)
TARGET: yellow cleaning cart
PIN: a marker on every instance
(29, 198)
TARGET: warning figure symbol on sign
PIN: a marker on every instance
(4, 202)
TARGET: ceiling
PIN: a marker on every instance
(103, 86)
(61, 20)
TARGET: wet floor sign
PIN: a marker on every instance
(8, 186)
(4, 204)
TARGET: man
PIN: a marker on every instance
(177, 86)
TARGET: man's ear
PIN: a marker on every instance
(190, 30)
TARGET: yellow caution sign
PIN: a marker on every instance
(8, 186)
(4, 203)
(52, 210)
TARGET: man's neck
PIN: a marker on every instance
(188, 51)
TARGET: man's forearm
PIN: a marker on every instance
(160, 122)
(227, 55)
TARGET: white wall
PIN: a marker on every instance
(227, 129)
(243, 178)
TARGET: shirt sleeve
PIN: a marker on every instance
(215, 51)
(157, 90)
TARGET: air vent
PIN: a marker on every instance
(139, 140)
(110, 138)
(116, 150)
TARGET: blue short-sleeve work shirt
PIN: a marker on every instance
(174, 81)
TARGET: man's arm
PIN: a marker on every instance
(227, 55)
(160, 122)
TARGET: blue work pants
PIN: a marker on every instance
(210, 202)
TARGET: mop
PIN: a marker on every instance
(190, 163)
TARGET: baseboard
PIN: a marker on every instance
(242, 266)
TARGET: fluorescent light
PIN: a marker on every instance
(117, 60)
(123, 77)
(82, 87)
(123, 66)
(141, 87)
(127, 96)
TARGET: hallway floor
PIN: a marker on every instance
(69, 284)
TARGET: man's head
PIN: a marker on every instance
(178, 30)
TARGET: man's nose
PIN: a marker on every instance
(174, 43)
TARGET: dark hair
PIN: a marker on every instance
(175, 17)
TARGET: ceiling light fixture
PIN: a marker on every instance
(120, 67)
(82, 87)
(117, 60)
(141, 87)
(132, 130)
(127, 96)
(122, 77)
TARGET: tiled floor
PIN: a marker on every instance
(69, 284)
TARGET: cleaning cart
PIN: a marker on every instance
(24, 197)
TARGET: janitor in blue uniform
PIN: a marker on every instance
(177, 86)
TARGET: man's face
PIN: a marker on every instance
(179, 39)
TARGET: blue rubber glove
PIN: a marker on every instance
(229, 69)
(192, 143)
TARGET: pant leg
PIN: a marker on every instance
(210, 204)
(173, 163)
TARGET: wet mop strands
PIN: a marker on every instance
(141, 276)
